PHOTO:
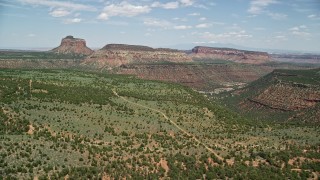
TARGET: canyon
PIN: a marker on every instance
(283, 95)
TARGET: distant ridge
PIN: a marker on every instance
(230, 54)
(114, 55)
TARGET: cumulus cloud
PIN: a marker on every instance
(182, 27)
(225, 37)
(169, 5)
(280, 37)
(59, 12)
(300, 31)
(298, 28)
(59, 8)
(180, 19)
(312, 16)
(194, 14)
(258, 6)
(187, 2)
(278, 16)
(59, 4)
(204, 25)
(73, 20)
(157, 23)
(123, 9)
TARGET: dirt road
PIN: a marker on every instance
(173, 123)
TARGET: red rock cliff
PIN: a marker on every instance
(240, 56)
(71, 45)
(113, 55)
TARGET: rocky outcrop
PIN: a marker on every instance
(284, 95)
(289, 97)
(71, 45)
(115, 55)
(235, 55)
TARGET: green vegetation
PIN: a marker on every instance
(60, 123)
(36, 55)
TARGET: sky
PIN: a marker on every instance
(261, 24)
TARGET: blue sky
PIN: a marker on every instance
(272, 24)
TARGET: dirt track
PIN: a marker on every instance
(174, 124)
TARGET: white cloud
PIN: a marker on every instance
(278, 16)
(187, 2)
(294, 29)
(204, 25)
(202, 19)
(157, 23)
(281, 38)
(298, 28)
(194, 14)
(312, 16)
(59, 12)
(180, 19)
(258, 6)
(169, 5)
(225, 37)
(300, 31)
(182, 27)
(59, 4)
(71, 21)
(123, 9)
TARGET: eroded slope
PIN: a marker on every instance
(288, 94)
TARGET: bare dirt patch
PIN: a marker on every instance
(31, 129)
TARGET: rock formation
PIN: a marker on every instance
(71, 45)
(282, 95)
(235, 55)
(114, 55)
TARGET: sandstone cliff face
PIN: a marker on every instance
(239, 56)
(71, 45)
(114, 55)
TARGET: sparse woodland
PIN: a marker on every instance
(58, 124)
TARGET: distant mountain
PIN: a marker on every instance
(188, 46)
